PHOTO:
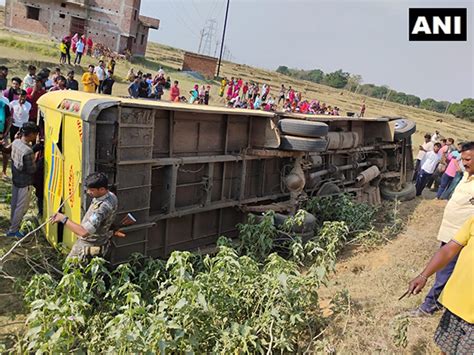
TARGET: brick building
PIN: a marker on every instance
(201, 63)
(114, 23)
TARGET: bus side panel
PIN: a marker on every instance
(72, 149)
(53, 170)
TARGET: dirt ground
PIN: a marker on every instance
(376, 279)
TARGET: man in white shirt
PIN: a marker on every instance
(29, 80)
(424, 148)
(427, 168)
(436, 137)
(20, 112)
(100, 72)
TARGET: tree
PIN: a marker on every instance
(380, 92)
(315, 75)
(433, 105)
(464, 110)
(413, 100)
(337, 79)
(398, 97)
(282, 69)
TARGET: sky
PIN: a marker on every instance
(365, 37)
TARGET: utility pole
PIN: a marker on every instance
(223, 38)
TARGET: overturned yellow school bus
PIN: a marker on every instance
(190, 174)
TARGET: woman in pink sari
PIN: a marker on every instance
(230, 90)
(74, 40)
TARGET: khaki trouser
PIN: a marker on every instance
(85, 251)
(19, 205)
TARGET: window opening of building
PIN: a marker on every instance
(32, 13)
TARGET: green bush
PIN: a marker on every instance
(357, 216)
(234, 304)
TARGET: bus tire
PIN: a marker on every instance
(302, 144)
(404, 128)
(407, 193)
(303, 128)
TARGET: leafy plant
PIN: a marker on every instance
(246, 299)
(357, 216)
(400, 330)
(256, 238)
(223, 303)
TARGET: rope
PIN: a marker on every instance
(39, 227)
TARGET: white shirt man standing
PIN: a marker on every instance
(427, 168)
(424, 148)
(100, 72)
(20, 112)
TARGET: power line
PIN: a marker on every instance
(184, 11)
(181, 20)
(212, 9)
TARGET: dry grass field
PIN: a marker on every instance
(375, 278)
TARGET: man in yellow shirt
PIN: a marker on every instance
(90, 81)
(455, 333)
(459, 208)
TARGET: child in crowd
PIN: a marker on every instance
(194, 94)
(174, 92)
(62, 51)
(206, 95)
(202, 93)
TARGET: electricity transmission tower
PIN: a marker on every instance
(208, 34)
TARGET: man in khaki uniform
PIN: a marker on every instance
(94, 232)
(458, 210)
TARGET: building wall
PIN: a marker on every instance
(200, 63)
(140, 40)
(109, 22)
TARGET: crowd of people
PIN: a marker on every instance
(78, 45)
(240, 94)
(453, 263)
(438, 165)
(20, 96)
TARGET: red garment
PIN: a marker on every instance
(32, 98)
(174, 93)
(89, 42)
(230, 91)
(245, 89)
(291, 96)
